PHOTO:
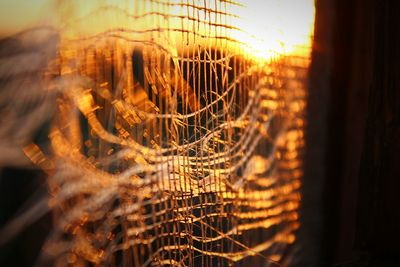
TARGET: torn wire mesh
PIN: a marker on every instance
(172, 142)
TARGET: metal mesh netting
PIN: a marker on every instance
(173, 142)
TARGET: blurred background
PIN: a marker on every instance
(350, 207)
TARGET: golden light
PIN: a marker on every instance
(266, 28)
(275, 27)
(178, 130)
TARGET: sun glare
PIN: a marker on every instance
(275, 27)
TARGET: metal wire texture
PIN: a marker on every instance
(173, 141)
